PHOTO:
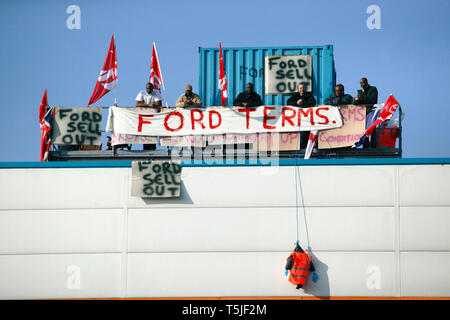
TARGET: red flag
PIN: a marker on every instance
(389, 108)
(222, 79)
(108, 76)
(155, 72)
(313, 135)
(45, 120)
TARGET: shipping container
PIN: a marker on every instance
(246, 64)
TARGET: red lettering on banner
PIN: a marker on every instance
(193, 120)
(285, 118)
(266, 117)
(247, 114)
(301, 112)
(326, 120)
(175, 113)
(211, 126)
(142, 121)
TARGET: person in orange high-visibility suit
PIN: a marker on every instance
(299, 263)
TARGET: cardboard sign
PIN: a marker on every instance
(354, 126)
(156, 179)
(229, 120)
(77, 126)
(278, 142)
(284, 73)
(118, 138)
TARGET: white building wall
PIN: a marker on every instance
(373, 231)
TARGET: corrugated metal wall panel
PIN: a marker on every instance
(246, 64)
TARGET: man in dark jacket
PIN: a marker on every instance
(301, 98)
(339, 97)
(368, 95)
(249, 98)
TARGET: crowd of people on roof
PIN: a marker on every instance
(367, 95)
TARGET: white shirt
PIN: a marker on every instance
(146, 98)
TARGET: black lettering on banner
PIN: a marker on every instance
(79, 139)
(82, 127)
(292, 86)
(148, 189)
(97, 116)
(96, 129)
(67, 139)
(290, 74)
(281, 87)
(160, 178)
(280, 74)
(148, 177)
(166, 167)
(156, 168)
(62, 113)
(172, 190)
(78, 126)
(176, 168)
(142, 166)
(160, 190)
(272, 62)
(301, 63)
(85, 116)
(71, 126)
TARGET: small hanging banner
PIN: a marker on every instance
(156, 179)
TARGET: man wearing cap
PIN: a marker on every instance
(188, 99)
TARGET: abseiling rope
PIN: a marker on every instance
(297, 176)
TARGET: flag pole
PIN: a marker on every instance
(162, 80)
(117, 83)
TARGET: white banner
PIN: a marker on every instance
(221, 120)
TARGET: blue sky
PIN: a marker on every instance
(408, 56)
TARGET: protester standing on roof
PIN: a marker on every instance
(301, 98)
(339, 97)
(249, 98)
(368, 95)
(149, 99)
(188, 99)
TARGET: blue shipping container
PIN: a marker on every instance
(246, 64)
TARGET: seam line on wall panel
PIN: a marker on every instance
(254, 251)
(59, 253)
(218, 251)
(125, 233)
(398, 271)
(255, 207)
(61, 209)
